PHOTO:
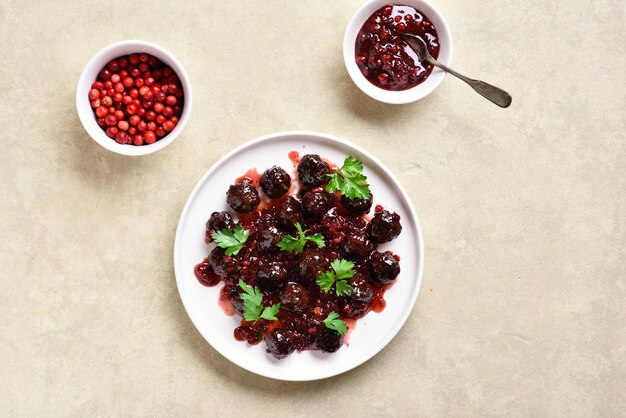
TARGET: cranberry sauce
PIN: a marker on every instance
(205, 274)
(384, 58)
(289, 278)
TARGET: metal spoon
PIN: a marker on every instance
(492, 93)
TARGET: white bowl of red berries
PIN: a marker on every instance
(133, 98)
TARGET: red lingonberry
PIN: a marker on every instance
(150, 137)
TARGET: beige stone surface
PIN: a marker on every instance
(523, 304)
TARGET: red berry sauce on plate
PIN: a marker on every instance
(299, 262)
(384, 58)
(137, 99)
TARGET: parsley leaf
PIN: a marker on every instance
(333, 322)
(317, 239)
(350, 180)
(343, 288)
(252, 299)
(269, 313)
(325, 280)
(232, 241)
(296, 244)
(252, 304)
(343, 269)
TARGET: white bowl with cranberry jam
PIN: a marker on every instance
(133, 98)
(381, 64)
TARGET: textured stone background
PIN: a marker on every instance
(523, 305)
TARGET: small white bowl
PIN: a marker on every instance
(88, 76)
(404, 96)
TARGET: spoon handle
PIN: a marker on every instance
(489, 92)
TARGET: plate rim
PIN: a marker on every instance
(330, 138)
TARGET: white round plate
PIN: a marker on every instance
(371, 334)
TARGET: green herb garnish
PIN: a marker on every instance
(343, 269)
(333, 322)
(296, 245)
(252, 304)
(232, 241)
(350, 180)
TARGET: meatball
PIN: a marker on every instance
(312, 263)
(280, 343)
(316, 203)
(352, 308)
(384, 268)
(357, 245)
(294, 297)
(329, 341)
(231, 292)
(243, 197)
(218, 221)
(334, 222)
(223, 265)
(361, 289)
(275, 182)
(384, 227)
(356, 206)
(312, 170)
(290, 212)
(268, 236)
(271, 276)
